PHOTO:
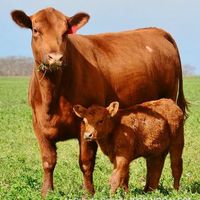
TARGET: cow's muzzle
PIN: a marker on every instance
(43, 67)
(55, 59)
(53, 62)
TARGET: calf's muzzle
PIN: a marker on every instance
(88, 136)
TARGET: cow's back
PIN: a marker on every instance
(136, 66)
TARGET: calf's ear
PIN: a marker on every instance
(77, 21)
(20, 18)
(113, 108)
(79, 110)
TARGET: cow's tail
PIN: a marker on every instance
(181, 101)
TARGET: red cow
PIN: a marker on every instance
(130, 67)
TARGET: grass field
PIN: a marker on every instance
(20, 166)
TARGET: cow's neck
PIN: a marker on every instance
(54, 87)
(50, 90)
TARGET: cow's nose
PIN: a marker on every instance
(88, 136)
(55, 58)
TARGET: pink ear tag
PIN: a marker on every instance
(72, 30)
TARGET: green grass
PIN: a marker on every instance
(20, 166)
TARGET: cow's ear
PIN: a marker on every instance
(113, 108)
(77, 21)
(79, 110)
(20, 18)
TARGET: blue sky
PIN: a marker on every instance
(179, 17)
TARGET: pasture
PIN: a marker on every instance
(20, 166)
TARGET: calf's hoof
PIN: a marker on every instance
(45, 190)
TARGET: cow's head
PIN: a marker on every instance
(97, 120)
(49, 31)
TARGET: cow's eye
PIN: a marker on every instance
(35, 31)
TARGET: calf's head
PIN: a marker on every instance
(97, 120)
(49, 33)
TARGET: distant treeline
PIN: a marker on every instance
(22, 66)
(16, 66)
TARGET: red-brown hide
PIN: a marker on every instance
(148, 130)
(130, 67)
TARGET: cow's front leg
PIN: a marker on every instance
(87, 161)
(49, 157)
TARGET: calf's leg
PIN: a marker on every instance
(154, 170)
(87, 161)
(176, 150)
(176, 164)
(120, 175)
(125, 182)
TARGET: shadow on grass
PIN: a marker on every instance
(194, 187)
(137, 191)
(163, 190)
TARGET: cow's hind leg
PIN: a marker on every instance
(87, 161)
(154, 170)
(49, 157)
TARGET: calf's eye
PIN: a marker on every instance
(100, 122)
